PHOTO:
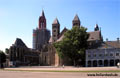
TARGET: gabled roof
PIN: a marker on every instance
(19, 42)
(76, 18)
(114, 44)
(95, 35)
(106, 45)
(55, 21)
(50, 40)
(60, 38)
(63, 31)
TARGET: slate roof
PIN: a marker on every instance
(114, 44)
(55, 21)
(50, 40)
(19, 42)
(76, 18)
(95, 35)
(60, 38)
(63, 31)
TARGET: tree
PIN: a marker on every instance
(2, 58)
(7, 51)
(73, 44)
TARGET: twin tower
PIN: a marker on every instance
(41, 35)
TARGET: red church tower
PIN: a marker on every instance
(42, 21)
(41, 35)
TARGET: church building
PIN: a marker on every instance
(44, 53)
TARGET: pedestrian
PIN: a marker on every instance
(63, 66)
(118, 65)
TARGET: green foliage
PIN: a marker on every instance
(7, 51)
(73, 44)
(2, 57)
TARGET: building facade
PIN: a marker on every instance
(108, 54)
(44, 53)
(20, 54)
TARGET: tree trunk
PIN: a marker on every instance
(74, 63)
(0, 65)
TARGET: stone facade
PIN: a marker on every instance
(102, 57)
(41, 35)
(40, 38)
(20, 55)
(94, 39)
(107, 54)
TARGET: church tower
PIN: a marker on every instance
(41, 35)
(42, 21)
(76, 21)
(96, 28)
(55, 30)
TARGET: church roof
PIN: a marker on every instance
(95, 35)
(63, 31)
(76, 18)
(55, 21)
(50, 40)
(60, 38)
(19, 42)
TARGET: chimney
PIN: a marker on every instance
(118, 40)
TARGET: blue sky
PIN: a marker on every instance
(18, 18)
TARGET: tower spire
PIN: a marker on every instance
(56, 21)
(96, 27)
(42, 21)
(76, 21)
(43, 13)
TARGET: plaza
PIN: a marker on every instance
(34, 72)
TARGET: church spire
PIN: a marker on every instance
(42, 21)
(76, 18)
(43, 13)
(96, 27)
(76, 21)
(55, 21)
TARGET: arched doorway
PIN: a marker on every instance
(89, 63)
(111, 62)
(94, 63)
(116, 61)
(105, 62)
(100, 63)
